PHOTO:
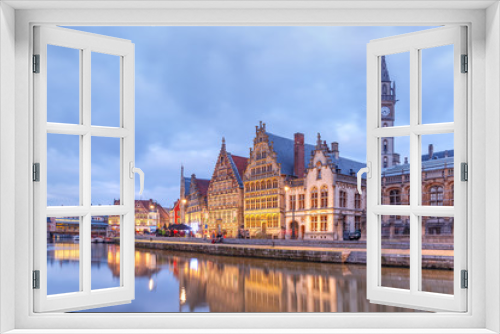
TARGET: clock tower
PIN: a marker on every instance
(387, 110)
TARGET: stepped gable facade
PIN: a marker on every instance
(273, 161)
(225, 195)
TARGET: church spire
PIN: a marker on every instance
(385, 71)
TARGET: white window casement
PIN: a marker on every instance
(415, 45)
(472, 310)
(84, 131)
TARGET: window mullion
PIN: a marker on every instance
(415, 251)
(85, 161)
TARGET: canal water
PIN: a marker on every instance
(167, 281)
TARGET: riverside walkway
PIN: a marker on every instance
(333, 252)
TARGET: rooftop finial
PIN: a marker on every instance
(318, 141)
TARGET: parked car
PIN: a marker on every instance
(348, 235)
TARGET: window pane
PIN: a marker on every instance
(437, 254)
(105, 171)
(63, 85)
(63, 255)
(105, 255)
(437, 170)
(395, 258)
(63, 170)
(437, 84)
(395, 174)
(105, 90)
(399, 65)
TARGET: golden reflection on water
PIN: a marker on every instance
(237, 284)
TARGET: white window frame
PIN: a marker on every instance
(484, 49)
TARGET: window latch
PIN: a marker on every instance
(134, 170)
(368, 171)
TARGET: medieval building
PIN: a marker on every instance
(324, 203)
(225, 195)
(273, 160)
(437, 179)
(194, 208)
(437, 190)
(149, 216)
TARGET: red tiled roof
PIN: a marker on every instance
(241, 163)
(203, 186)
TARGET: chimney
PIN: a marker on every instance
(298, 155)
(406, 160)
(431, 151)
(335, 149)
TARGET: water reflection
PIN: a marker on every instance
(169, 281)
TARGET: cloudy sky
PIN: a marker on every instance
(197, 84)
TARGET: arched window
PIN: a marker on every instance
(269, 184)
(275, 201)
(385, 162)
(263, 185)
(385, 146)
(342, 199)
(318, 175)
(384, 90)
(314, 198)
(269, 202)
(395, 197)
(275, 183)
(324, 197)
(436, 196)
(257, 221)
(257, 185)
(252, 186)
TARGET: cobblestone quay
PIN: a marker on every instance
(431, 259)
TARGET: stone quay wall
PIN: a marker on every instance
(319, 254)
